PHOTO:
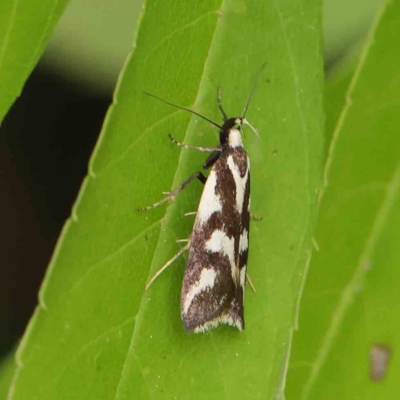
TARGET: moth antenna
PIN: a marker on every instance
(255, 81)
(224, 116)
(184, 108)
(253, 88)
(245, 122)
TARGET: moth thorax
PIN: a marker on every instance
(235, 138)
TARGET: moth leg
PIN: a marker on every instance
(188, 214)
(182, 240)
(174, 193)
(255, 217)
(211, 159)
(167, 264)
(250, 282)
(199, 148)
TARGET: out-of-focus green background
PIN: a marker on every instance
(43, 160)
(93, 38)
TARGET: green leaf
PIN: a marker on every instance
(25, 27)
(96, 333)
(349, 306)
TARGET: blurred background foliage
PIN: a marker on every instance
(43, 160)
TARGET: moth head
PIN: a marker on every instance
(231, 132)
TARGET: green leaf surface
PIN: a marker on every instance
(25, 27)
(350, 302)
(96, 333)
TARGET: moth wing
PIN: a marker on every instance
(210, 296)
(212, 290)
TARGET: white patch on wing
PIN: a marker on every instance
(219, 242)
(240, 182)
(243, 277)
(222, 319)
(248, 206)
(207, 280)
(210, 202)
(243, 241)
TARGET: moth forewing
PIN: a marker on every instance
(213, 285)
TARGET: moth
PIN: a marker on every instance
(215, 276)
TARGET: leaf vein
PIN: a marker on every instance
(176, 31)
(92, 342)
(109, 257)
(137, 139)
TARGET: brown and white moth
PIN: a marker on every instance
(215, 276)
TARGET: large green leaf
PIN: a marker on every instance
(25, 27)
(350, 303)
(96, 333)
